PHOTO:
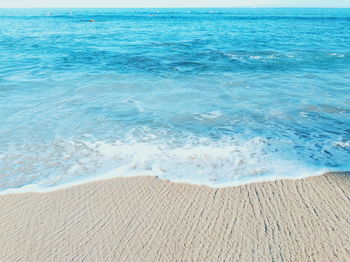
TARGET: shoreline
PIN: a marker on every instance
(149, 219)
(35, 188)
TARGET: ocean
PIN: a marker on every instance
(216, 97)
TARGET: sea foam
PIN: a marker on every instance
(214, 164)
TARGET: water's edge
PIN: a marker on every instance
(33, 188)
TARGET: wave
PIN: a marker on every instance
(214, 164)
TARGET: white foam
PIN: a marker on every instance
(214, 164)
(211, 115)
(343, 144)
(337, 55)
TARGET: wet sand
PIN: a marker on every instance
(147, 219)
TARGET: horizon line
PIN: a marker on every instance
(174, 7)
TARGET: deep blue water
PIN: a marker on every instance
(206, 96)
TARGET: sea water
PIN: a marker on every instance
(216, 97)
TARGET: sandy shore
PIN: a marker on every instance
(147, 219)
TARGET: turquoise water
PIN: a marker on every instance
(207, 96)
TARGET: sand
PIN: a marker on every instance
(147, 219)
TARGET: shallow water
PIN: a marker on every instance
(207, 96)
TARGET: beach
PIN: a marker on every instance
(174, 134)
(149, 219)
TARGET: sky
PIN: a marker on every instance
(174, 3)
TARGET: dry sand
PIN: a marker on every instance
(147, 219)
